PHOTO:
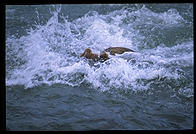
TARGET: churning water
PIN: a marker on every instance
(49, 87)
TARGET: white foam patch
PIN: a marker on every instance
(52, 53)
(101, 35)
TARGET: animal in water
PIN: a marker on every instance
(89, 55)
(104, 56)
(118, 50)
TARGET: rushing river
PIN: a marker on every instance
(50, 87)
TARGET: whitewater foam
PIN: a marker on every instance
(51, 52)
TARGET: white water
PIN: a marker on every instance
(51, 52)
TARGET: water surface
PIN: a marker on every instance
(49, 87)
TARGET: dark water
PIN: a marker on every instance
(49, 87)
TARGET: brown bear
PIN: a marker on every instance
(89, 55)
(104, 56)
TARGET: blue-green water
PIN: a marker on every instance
(49, 87)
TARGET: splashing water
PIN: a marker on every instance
(50, 53)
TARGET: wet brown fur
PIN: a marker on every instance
(104, 56)
(118, 50)
(89, 55)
